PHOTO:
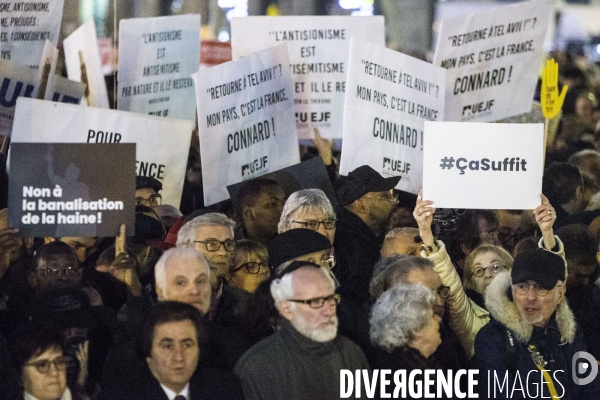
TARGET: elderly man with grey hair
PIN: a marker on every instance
(405, 327)
(181, 274)
(212, 235)
(309, 209)
(303, 360)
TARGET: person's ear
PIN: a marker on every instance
(160, 293)
(248, 212)
(285, 309)
(360, 206)
(598, 256)
(32, 279)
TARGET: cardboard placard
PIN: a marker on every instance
(162, 143)
(388, 98)
(245, 120)
(156, 58)
(318, 49)
(76, 190)
(487, 166)
(82, 58)
(24, 28)
(493, 60)
(310, 174)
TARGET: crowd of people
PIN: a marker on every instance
(272, 294)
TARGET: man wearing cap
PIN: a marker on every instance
(304, 358)
(146, 192)
(532, 330)
(365, 204)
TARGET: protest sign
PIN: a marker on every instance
(492, 59)
(318, 49)
(24, 28)
(82, 58)
(18, 81)
(162, 143)
(310, 174)
(245, 120)
(156, 58)
(46, 71)
(66, 196)
(388, 98)
(478, 165)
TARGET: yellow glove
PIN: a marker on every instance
(551, 101)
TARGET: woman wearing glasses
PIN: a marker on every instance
(466, 307)
(39, 355)
(248, 266)
(308, 209)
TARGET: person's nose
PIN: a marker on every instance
(531, 296)
(178, 353)
(488, 273)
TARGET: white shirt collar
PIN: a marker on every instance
(171, 394)
(66, 395)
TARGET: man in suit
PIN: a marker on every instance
(169, 342)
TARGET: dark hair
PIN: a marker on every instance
(261, 318)
(528, 243)
(51, 249)
(249, 193)
(165, 312)
(580, 246)
(467, 228)
(32, 339)
(560, 182)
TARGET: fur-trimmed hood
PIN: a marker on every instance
(505, 311)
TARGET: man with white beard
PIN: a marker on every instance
(304, 358)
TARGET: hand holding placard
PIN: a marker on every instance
(551, 100)
(545, 215)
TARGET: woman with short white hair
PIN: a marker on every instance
(405, 329)
(308, 209)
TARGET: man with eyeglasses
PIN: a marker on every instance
(55, 266)
(146, 192)
(304, 358)
(212, 235)
(365, 205)
(532, 329)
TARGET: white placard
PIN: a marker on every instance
(245, 120)
(493, 61)
(487, 166)
(318, 49)
(156, 58)
(17, 81)
(24, 28)
(389, 96)
(82, 58)
(162, 143)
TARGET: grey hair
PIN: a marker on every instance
(578, 157)
(397, 231)
(283, 288)
(160, 269)
(186, 235)
(307, 199)
(390, 271)
(398, 313)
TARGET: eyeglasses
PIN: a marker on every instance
(254, 267)
(522, 288)
(43, 366)
(392, 200)
(495, 268)
(56, 272)
(215, 245)
(318, 302)
(314, 225)
(153, 201)
(443, 292)
(328, 261)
